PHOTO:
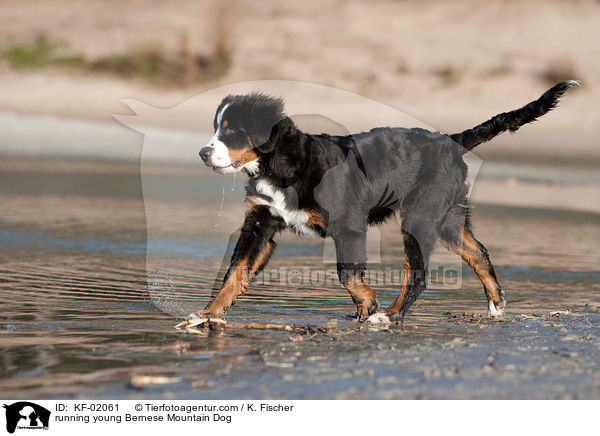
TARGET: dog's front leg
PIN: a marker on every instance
(252, 251)
(350, 247)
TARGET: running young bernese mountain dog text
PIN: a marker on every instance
(337, 186)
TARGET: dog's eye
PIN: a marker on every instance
(226, 127)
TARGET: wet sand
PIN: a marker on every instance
(79, 321)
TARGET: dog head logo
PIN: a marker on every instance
(26, 415)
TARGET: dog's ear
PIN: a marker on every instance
(287, 155)
(281, 136)
(262, 113)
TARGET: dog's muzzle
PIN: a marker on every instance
(205, 154)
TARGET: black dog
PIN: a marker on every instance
(321, 185)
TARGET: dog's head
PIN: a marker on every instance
(243, 125)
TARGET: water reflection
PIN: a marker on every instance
(76, 317)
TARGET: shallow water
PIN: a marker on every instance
(77, 318)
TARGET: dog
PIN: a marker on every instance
(337, 186)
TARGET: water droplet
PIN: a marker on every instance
(221, 208)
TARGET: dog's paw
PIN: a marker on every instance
(365, 309)
(379, 318)
(496, 311)
(197, 319)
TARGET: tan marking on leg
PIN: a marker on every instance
(359, 290)
(314, 218)
(469, 241)
(235, 285)
(261, 258)
(237, 282)
(481, 268)
(395, 307)
(471, 253)
(363, 296)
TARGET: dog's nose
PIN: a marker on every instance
(205, 153)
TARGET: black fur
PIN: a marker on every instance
(471, 138)
(354, 181)
(251, 116)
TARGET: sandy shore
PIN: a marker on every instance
(448, 64)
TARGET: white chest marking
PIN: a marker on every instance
(252, 167)
(295, 219)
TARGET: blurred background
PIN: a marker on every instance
(450, 64)
(72, 219)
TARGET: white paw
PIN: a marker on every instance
(379, 318)
(493, 311)
(193, 320)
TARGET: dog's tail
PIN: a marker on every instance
(471, 138)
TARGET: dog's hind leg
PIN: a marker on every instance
(351, 264)
(456, 236)
(416, 251)
(421, 219)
